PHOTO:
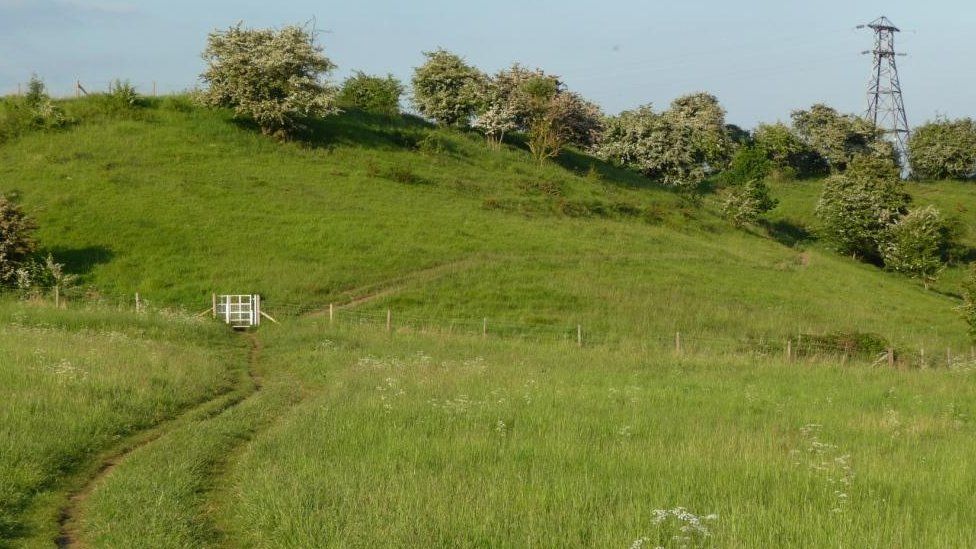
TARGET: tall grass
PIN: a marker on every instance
(446, 442)
(76, 383)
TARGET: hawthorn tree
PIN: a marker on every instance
(374, 94)
(787, 151)
(679, 146)
(944, 149)
(747, 203)
(702, 113)
(917, 244)
(495, 119)
(968, 307)
(275, 77)
(540, 106)
(839, 137)
(16, 239)
(447, 89)
(856, 208)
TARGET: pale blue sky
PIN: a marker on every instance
(762, 58)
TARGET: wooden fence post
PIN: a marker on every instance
(948, 357)
(331, 313)
(138, 303)
(891, 357)
(213, 306)
(57, 296)
(484, 327)
(579, 335)
(677, 342)
(789, 350)
(389, 320)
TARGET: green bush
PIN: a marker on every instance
(790, 156)
(918, 244)
(373, 94)
(125, 94)
(968, 307)
(850, 343)
(856, 208)
(34, 111)
(747, 203)
(837, 137)
(944, 149)
(678, 147)
(749, 163)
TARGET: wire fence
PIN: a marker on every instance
(797, 347)
(81, 87)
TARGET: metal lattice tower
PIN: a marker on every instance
(885, 105)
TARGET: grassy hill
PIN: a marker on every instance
(176, 202)
(161, 429)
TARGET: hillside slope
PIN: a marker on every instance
(176, 202)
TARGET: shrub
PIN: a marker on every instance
(373, 94)
(917, 244)
(34, 278)
(446, 89)
(35, 111)
(839, 137)
(125, 95)
(560, 118)
(856, 208)
(16, 239)
(944, 149)
(705, 117)
(749, 163)
(495, 120)
(851, 343)
(271, 76)
(678, 146)
(748, 203)
(787, 152)
(968, 307)
(538, 104)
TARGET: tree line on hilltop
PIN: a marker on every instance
(278, 78)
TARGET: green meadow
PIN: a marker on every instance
(477, 420)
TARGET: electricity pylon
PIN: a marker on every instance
(886, 108)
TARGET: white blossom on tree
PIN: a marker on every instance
(944, 149)
(677, 147)
(275, 77)
(446, 89)
(916, 243)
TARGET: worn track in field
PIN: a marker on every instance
(69, 518)
(355, 297)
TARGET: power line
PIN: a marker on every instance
(886, 108)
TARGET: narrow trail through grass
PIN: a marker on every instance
(354, 297)
(162, 494)
(70, 516)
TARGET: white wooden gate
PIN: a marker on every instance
(240, 311)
